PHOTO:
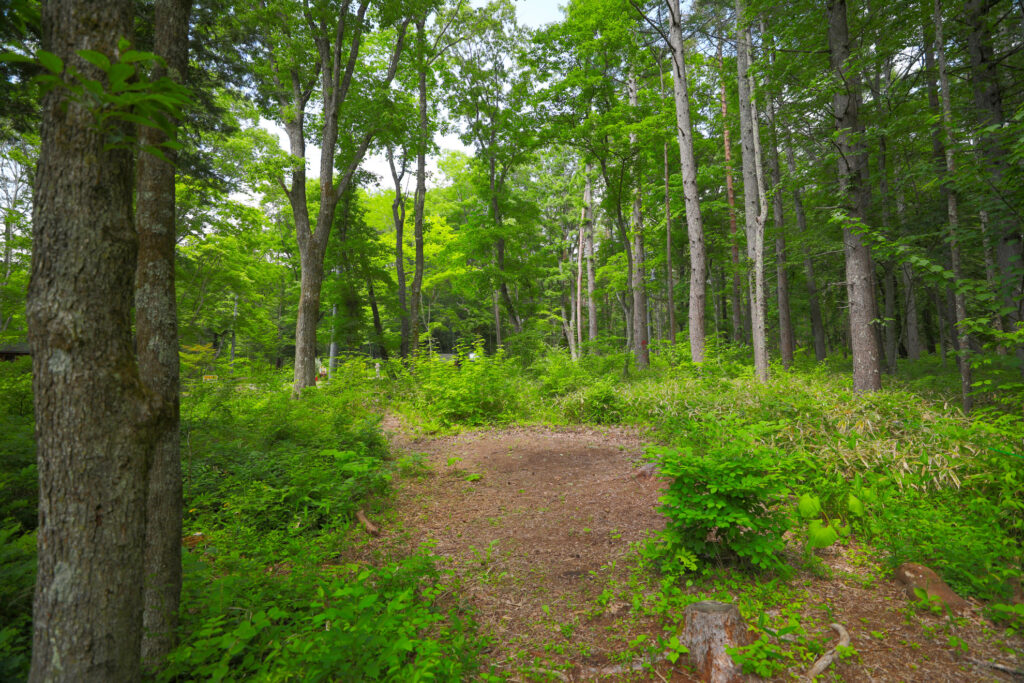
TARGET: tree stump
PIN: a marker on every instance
(709, 628)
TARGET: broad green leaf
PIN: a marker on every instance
(855, 506)
(97, 59)
(50, 61)
(820, 535)
(809, 506)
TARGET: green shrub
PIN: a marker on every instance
(304, 621)
(558, 374)
(17, 578)
(474, 389)
(724, 503)
(16, 387)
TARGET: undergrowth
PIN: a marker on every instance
(272, 485)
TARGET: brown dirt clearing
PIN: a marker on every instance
(537, 525)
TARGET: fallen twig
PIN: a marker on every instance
(370, 527)
(998, 667)
(826, 659)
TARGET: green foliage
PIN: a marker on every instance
(17, 579)
(557, 374)
(297, 620)
(16, 387)
(1011, 616)
(600, 403)
(471, 389)
(271, 487)
(724, 502)
(123, 96)
(18, 483)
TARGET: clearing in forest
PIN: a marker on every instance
(540, 528)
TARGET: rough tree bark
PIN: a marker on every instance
(641, 334)
(867, 374)
(688, 167)
(579, 282)
(963, 359)
(709, 628)
(156, 320)
(419, 202)
(817, 325)
(398, 218)
(730, 193)
(754, 201)
(988, 104)
(588, 218)
(787, 343)
(334, 71)
(93, 416)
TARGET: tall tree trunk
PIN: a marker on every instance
(497, 320)
(730, 193)
(670, 295)
(988, 105)
(293, 95)
(156, 320)
(92, 411)
(859, 269)
(786, 339)
(419, 202)
(754, 200)
(817, 326)
(990, 275)
(963, 358)
(588, 207)
(913, 338)
(688, 166)
(398, 218)
(579, 286)
(640, 330)
(890, 339)
(332, 354)
(378, 329)
(310, 284)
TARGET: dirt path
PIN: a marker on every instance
(537, 523)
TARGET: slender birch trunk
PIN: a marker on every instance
(688, 164)
(754, 200)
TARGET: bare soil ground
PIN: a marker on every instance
(537, 523)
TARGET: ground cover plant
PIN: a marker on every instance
(280, 582)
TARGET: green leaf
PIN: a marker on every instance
(820, 535)
(855, 506)
(15, 57)
(97, 59)
(809, 506)
(118, 74)
(50, 61)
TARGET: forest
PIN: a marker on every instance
(414, 340)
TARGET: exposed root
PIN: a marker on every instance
(370, 527)
(826, 659)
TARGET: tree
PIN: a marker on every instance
(93, 414)
(755, 204)
(867, 375)
(694, 221)
(491, 93)
(320, 56)
(156, 320)
(953, 215)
